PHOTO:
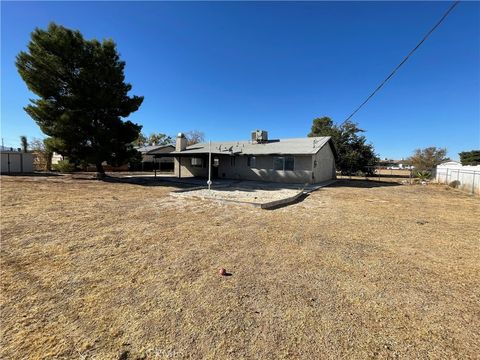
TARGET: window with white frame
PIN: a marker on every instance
(197, 162)
(283, 163)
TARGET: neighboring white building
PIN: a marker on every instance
(56, 158)
(468, 177)
(391, 164)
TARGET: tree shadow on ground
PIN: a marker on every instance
(387, 176)
(365, 184)
(228, 185)
(142, 181)
(33, 174)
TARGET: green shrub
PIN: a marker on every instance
(423, 175)
(63, 166)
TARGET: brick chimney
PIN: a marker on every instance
(181, 142)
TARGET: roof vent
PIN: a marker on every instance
(259, 136)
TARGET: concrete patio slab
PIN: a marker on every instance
(259, 194)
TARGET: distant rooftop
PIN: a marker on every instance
(9, 149)
(152, 149)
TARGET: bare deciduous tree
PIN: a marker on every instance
(428, 158)
(194, 137)
(42, 154)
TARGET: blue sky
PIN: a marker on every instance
(226, 68)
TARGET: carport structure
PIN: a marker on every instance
(156, 157)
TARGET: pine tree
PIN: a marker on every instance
(354, 154)
(82, 96)
(470, 157)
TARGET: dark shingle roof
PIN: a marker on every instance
(155, 149)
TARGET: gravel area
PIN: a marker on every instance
(256, 196)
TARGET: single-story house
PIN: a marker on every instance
(301, 160)
(156, 157)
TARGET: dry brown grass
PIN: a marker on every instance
(113, 270)
(393, 172)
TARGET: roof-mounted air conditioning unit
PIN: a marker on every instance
(259, 136)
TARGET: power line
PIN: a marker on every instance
(455, 3)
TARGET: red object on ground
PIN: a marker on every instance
(222, 271)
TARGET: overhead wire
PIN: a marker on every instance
(449, 10)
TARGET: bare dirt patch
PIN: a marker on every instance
(94, 269)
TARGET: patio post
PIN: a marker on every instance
(209, 182)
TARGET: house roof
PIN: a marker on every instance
(297, 146)
(450, 163)
(155, 149)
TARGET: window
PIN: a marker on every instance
(252, 161)
(284, 163)
(289, 163)
(278, 163)
(197, 162)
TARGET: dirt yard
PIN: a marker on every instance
(109, 270)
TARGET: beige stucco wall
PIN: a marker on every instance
(264, 169)
(325, 167)
(187, 170)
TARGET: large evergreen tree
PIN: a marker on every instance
(470, 157)
(82, 96)
(354, 154)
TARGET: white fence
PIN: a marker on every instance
(468, 177)
(16, 162)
